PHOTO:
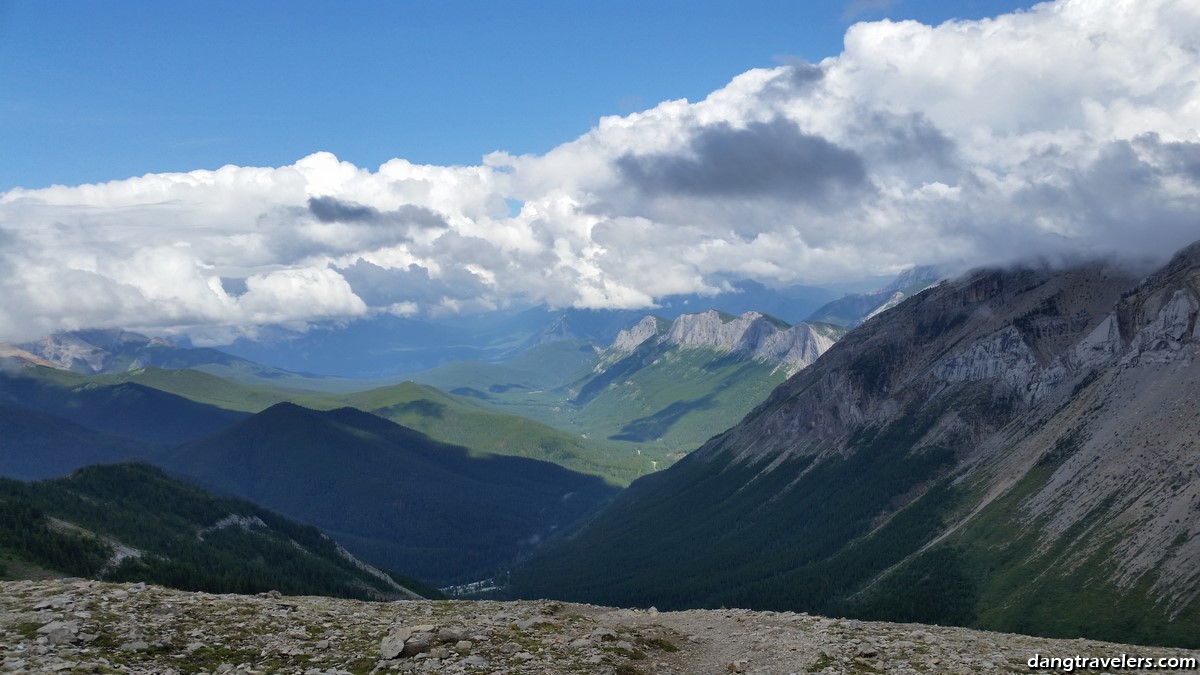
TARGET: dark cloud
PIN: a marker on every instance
(1180, 158)
(380, 287)
(904, 138)
(793, 80)
(798, 74)
(333, 210)
(1121, 201)
(765, 159)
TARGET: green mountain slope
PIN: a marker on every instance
(127, 409)
(390, 494)
(452, 420)
(643, 411)
(447, 418)
(130, 522)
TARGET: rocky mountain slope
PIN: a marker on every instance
(86, 626)
(1013, 450)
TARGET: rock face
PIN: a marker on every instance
(752, 335)
(84, 626)
(631, 338)
(1028, 436)
(87, 351)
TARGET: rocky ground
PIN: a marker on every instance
(77, 626)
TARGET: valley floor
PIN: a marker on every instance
(86, 626)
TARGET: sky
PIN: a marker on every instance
(217, 167)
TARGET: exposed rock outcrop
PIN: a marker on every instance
(752, 335)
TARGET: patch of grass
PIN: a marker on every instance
(823, 661)
(658, 643)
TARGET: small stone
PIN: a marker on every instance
(463, 646)
(418, 643)
(135, 646)
(60, 632)
(524, 656)
(322, 644)
(454, 634)
(510, 648)
(476, 662)
(393, 644)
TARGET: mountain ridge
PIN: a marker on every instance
(754, 335)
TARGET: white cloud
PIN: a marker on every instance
(1074, 125)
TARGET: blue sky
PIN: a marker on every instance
(96, 91)
(265, 164)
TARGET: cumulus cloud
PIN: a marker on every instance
(1071, 127)
(763, 159)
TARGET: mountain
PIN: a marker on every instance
(457, 421)
(102, 351)
(36, 445)
(853, 309)
(131, 522)
(1013, 450)
(14, 358)
(172, 406)
(124, 409)
(392, 495)
(752, 335)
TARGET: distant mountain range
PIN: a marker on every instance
(1013, 450)
(384, 346)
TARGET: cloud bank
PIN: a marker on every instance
(1071, 127)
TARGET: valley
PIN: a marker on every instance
(945, 454)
